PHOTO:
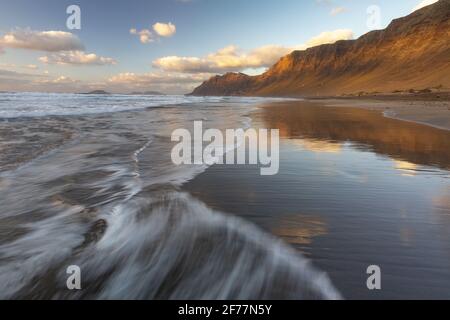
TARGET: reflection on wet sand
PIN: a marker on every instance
(441, 202)
(406, 168)
(370, 130)
(354, 189)
(314, 145)
(300, 229)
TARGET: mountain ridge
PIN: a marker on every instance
(412, 52)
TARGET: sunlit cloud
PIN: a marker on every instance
(144, 79)
(50, 41)
(159, 28)
(15, 66)
(424, 3)
(145, 35)
(76, 58)
(58, 80)
(31, 66)
(165, 29)
(327, 37)
(165, 82)
(232, 58)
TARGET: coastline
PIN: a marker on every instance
(344, 197)
(426, 112)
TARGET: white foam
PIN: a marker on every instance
(28, 104)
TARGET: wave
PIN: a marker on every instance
(168, 246)
(108, 200)
(19, 105)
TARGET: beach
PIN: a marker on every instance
(355, 188)
(432, 112)
(221, 151)
(91, 183)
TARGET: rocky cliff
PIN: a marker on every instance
(413, 52)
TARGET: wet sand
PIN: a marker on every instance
(100, 191)
(355, 188)
(432, 113)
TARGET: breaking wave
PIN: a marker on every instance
(109, 201)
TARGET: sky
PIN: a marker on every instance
(169, 46)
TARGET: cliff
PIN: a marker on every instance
(413, 52)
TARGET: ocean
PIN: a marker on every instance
(87, 180)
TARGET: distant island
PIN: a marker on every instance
(148, 93)
(97, 92)
(136, 93)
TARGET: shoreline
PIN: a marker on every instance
(344, 207)
(435, 114)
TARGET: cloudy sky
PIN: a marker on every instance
(169, 45)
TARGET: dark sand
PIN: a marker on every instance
(354, 189)
(434, 113)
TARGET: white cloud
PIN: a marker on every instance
(183, 64)
(76, 58)
(31, 66)
(15, 66)
(424, 3)
(330, 37)
(145, 35)
(15, 74)
(13, 80)
(8, 65)
(145, 79)
(337, 10)
(58, 80)
(164, 82)
(231, 58)
(51, 41)
(161, 29)
(165, 29)
(20, 81)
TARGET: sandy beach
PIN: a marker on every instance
(225, 151)
(355, 188)
(435, 113)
